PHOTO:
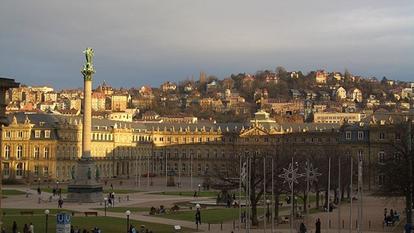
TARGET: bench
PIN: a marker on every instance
(26, 213)
(94, 213)
(284, 219)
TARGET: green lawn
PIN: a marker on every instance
(10, 192)
(208, 215)
(190, 193)
(106, 224)
(50, 190)
(123, 209)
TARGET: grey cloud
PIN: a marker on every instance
(146, 42)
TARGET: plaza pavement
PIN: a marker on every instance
(373, 209)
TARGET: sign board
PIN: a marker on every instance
(63, 223)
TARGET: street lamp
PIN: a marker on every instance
(199, 187)
(198, 215)
(47, 219)
(127, 213)
(268, 210)
(105, 202)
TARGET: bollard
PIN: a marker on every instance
(343, 224)
(127, 197)
(234, 225)
(356, 224)
(369, 224)
(221, 226)
(329, 223)
(209, 227)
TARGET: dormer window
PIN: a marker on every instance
(47, 133)
(37, 133)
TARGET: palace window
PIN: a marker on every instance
(45, 171)
(397, 156)
(7, 152)
(381, 157)
(6, 169)
(397, 136)
(46, 153)
(19, 152)
(20, 134)
(36, 152)
(381, 179)
(37, 133)
(7, 134)
(360, 135)
(36, 170)
(19, 169)
(381, 135)
(348, 135)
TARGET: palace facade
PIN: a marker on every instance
(45, 148)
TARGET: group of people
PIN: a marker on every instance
(302, 227)
(142, 229)
(391, 218)
(26, 228)
(78, 230)
(111, 199)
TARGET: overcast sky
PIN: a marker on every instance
(147, 42)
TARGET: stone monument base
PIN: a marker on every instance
(85, 188)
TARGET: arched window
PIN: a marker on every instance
(7, 152)
(19, 169)
(19, 152)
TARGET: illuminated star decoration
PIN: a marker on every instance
(312, 173)
(290, 175)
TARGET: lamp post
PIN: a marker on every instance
(47, 219)
(105, 202)
(127, 213)
(268, 210)
(57, 189)
(198, 215)
(199, 187)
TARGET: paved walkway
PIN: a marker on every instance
(373, 211)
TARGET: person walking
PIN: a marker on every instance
(198, 217)
(302, 228)
(318, 226)
(14, 227)
(25, 228)
(31, 228)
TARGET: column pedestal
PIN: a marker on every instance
(85, 187)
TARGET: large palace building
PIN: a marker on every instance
(43, 147)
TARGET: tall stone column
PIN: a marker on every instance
(5, 84)
(87, 72)
(85, 186)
